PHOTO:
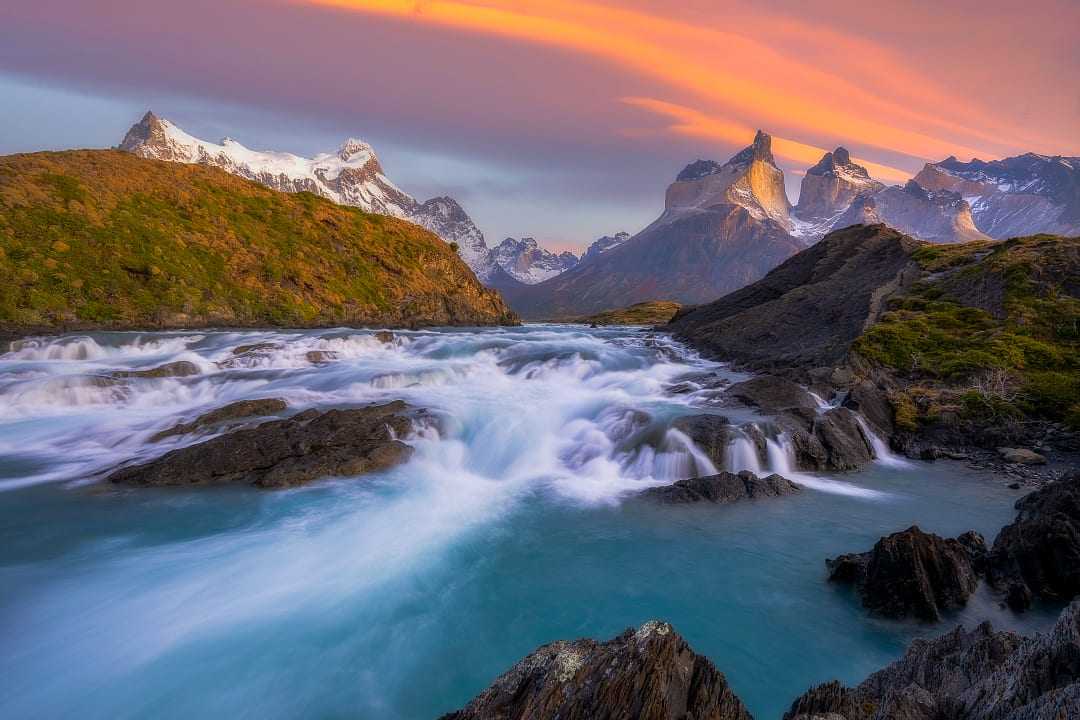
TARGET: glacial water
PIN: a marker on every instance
(401, 595)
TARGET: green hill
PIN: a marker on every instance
(103, 239)
(653, 312)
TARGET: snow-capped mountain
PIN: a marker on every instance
(526, 261)
(1019, 195)
(350, 176)
(828, 189)
(750, 179)
(603, 244)
(937, 216)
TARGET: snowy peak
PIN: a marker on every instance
(828, 189)
(750, 179)
(527, 262)
(350, 176)
(1019, 195)
(604, 244)
(935, 215)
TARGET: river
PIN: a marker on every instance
(401, 595)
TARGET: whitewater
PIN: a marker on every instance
(402, 594)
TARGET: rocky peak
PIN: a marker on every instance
(527, 262)
(353, 147)
(699, 169)
(603, 244)
(828, 190)
(760, 149)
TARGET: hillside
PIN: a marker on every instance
(105, 239)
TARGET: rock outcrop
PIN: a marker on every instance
(721, 489)
(1038, 554)
(913, 574)
(285, 453)
(712, 434)
(646, 674)
(807, 312)
(240, 410)
(980, 674)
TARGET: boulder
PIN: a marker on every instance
(980, 674)
(262, 347)
(180, 368)
(1021, 456)
(772, 394)
(384, 336)
(320, 357)
(872, 403)
(846, 446)
(646, 674)
(1038, 554)
(240, 410)
(711, 434)
(722, 488)
(285, 453)
(913, 574)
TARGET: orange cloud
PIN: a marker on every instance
(736, 75)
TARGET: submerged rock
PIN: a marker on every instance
(320, 357)
(976, 675)
(913, 574)
(233, 411)
(384, 336)
(722, 488)
(285, 453)
(1038, 554)
(646, 674)
(180, 368)
(710, 433)
(262, 347)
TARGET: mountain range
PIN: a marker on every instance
(724, 225)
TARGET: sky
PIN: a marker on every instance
(562, 120)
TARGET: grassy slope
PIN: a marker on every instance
(101, 238)
(992, 334)
(654, 312)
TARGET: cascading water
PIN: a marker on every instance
(508, 528)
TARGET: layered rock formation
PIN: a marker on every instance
(808, 311)
(351, 176)
(721, 489)
(525, 261)
(980, 674)
(828, 189)
(723, 226)
(285, 453)
(646, 674)
(105, 239)
(913, 574)
(1022, 195)
(938, 216)
(1038, 554)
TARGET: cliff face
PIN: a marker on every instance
(105, 239)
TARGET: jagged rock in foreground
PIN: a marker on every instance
(913, 574)
(1038, 555)
(285, 453)
(646, 674)
(722, 488)
(976, 675)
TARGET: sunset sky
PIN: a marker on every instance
(559, 119)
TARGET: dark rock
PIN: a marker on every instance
(846, 446)
(1021, 456)
(722, 488)
(384, 336)
(711, 433)
(255, 348)
(285, 453)
(647, 674)
(180, 368)
(913, 574)
(772, 394)
(320, 357)
(1038, 555)
(233, 411)
(976, 675)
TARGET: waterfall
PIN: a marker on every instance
(743, 456)
(882, 454)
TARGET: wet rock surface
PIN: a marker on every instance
(646, 674)
(772, 394)
(712, 434)
(240, 410)
(1038, 555)
(722, 488)
(913, 574)
(285, 453)
(980, 674)
(180, 368)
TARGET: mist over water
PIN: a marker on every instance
(402, 594)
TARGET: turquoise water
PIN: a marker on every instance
(403, 595)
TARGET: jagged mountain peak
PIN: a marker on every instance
(760, 150)
(526, 261)
(353, 147)
(604, 244)
(699, 169)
